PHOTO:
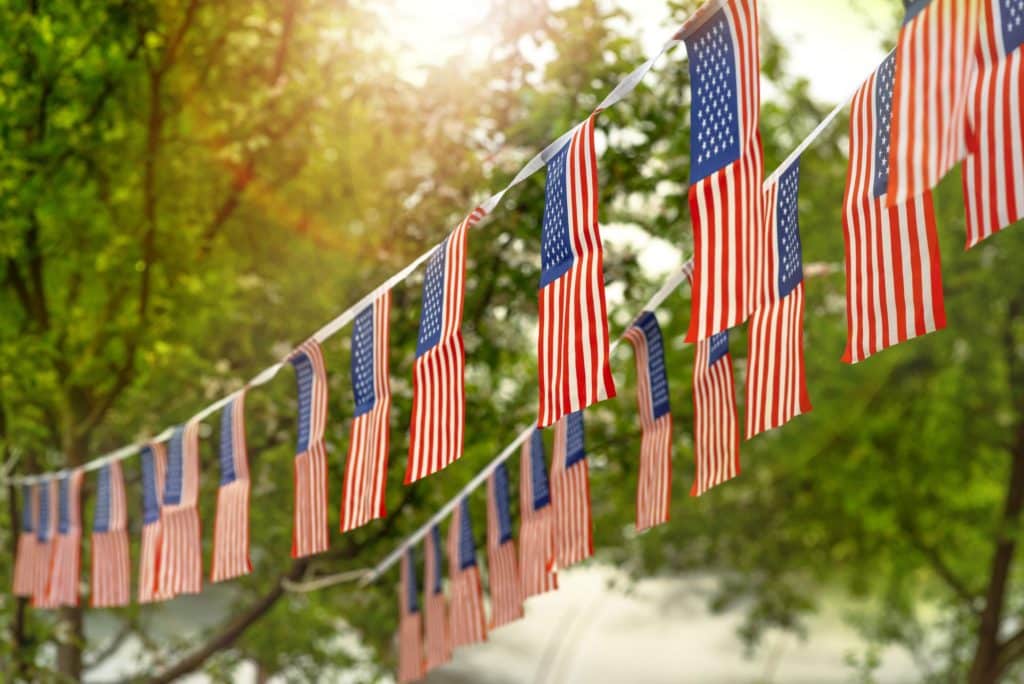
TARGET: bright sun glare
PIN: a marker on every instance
(429, 33)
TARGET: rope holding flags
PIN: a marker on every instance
(111, 562)
(231, 524)
(309, 534)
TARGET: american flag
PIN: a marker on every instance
(410, 627)
(231, 526)
(570, 493)
(435, 628)
(654, 480)
(934, 56)
(776, 386)
(467, 624)
(111, 562)
(716, 435)
(181, 548)
(893, 279)
(309, 534)
(25, 560)
(439, 393)
(66, 568)
(536, 526)
(502, 563)
(572, 345)
(46, 495)
(154, 470)
(367, 465)
(993, 174)
(726, 165)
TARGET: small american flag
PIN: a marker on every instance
(934, 56)
(410, 627)
(716, 436)
(181, 548)
(536, 527)
(570, 493)
(726, 165)
(231, 525)
(46, 495)
(439, 393)
(367, 466)
(67, 546)
(154, 470)
(503, 565)
(993, 175)
(309, 534)
(438, 644)
(893, 279)
(467, 624)
(25, 560)
(572, 345)
(111, 562)
(776, 386)
(654, 480)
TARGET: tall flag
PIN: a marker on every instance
(726, 165)
(572, 345)
(776, 385)
(181, 547)
(67, 546)
(467, 624)
(231, 526)
(502, 563)
(716, 435)
(654, 480)
(367, 464)
(439, 393)
(25, 560)
(410, 628)
(570, 493)
(993, 176)
(536, 527)
(154, 471)
(934, 56)
(435, 627)
(111, 562)
(46, 496)
(893, 279)
(309, 534)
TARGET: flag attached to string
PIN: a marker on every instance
(572, 344)
(933, 60)
(570, 493)
(309, 534)
(536, 527)
(25, 560)
(181, 548)
(435, 628)
(154, 470)
(502, 563)
(716, 438)
(893, 279)
(439, 393)
(726, 165)
(993, 172)
(111, 562)
(410, 627)
(776, 385)
(231, 526)
(467, 624)
(46, 529)
(67, 546)
(367, 463)
(654, 479)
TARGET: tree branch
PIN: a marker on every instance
(940, 567)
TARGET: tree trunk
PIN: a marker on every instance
(70, 635)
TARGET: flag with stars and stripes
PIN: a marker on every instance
(66, 567)
(654, 479)
(934, 57)
(466, 621)
(570, 493)
(993, 171)
(111, 561)
(537, 523)
(309, 534)
(154, 471)
(181, 547)
(437, 644)
(439, 393)
(502, 562)
(25, 560)
(572, 344)
(46, 530)
(893, 279)
(367, 464)
(726, 165)
(776, 385)
(231, 525)
(716, 436)
(410, 623)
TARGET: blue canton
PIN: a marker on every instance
(648, 323)
(362, 362)
(719, 347)
(101, 518)
(1011, 14)
(435, 537)
(412, 594)
(787, 216)
(26, 508)
(304, 381)
(43, 531)
(539, 472)
(227, 444)
(501, 502)
(574, 451)
(556, 255)
(912, 8)
(883, 124)
(467, 545)
(175, 467)
(433, 300)
(150, 500)
(64, 505)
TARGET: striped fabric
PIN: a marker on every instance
(502, 562)
(46, 530)
(467, 624)
(309, 534)
(25, 560)
(716, 438)
(231, 525)
(537, 522)
(410, 626)
(154, 471)
(570, 493)
(181, 548)
(66, 569)
(435, 613)
(111, 562)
